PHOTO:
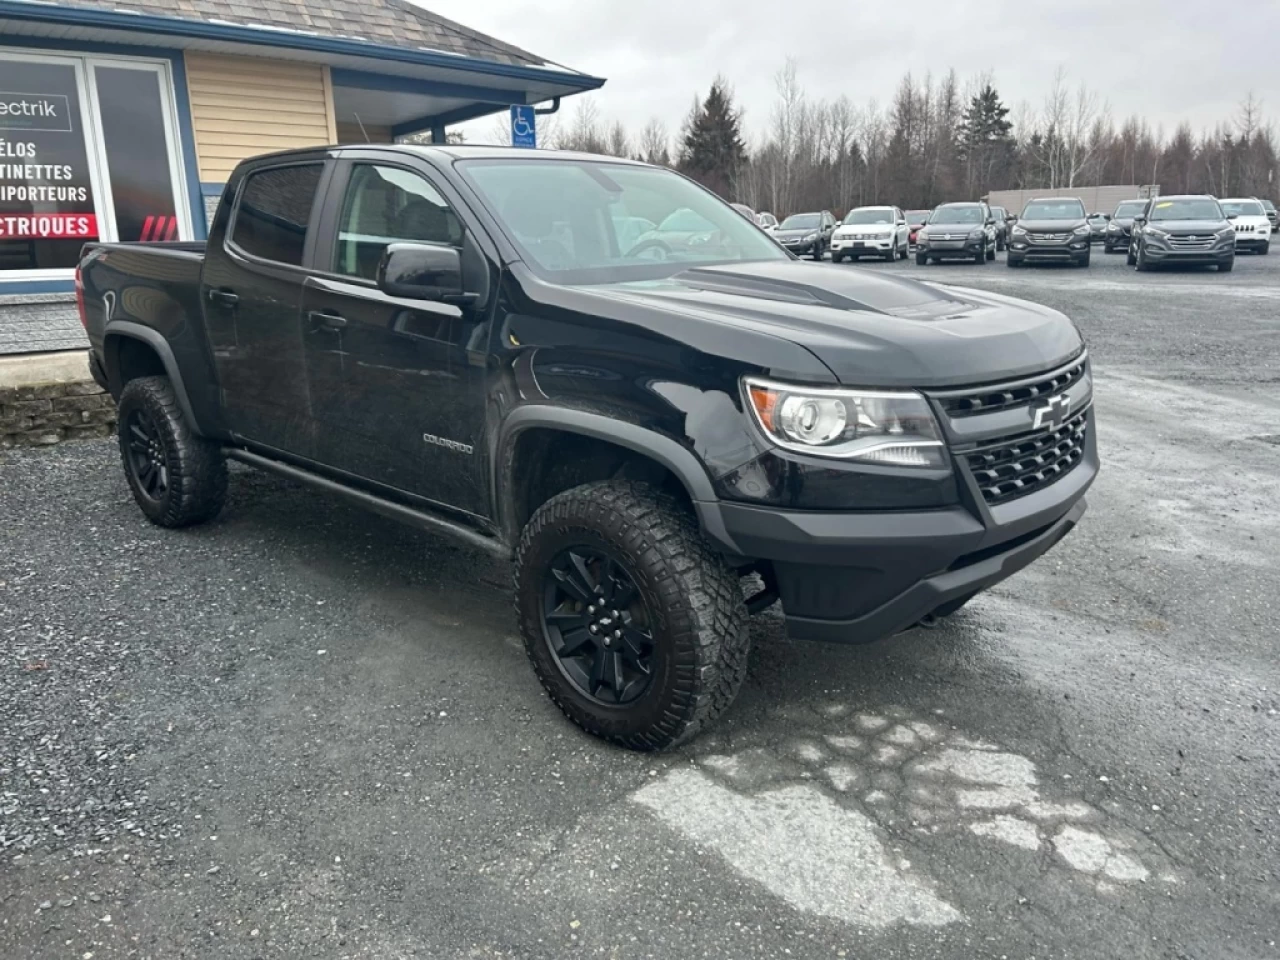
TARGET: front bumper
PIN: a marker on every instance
(952, 249)
(1218, 254)
(856, 577)
(867, 246)
(1074, 250)
(798, 246)
(1252, 241)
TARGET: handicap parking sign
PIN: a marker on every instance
(524, 126)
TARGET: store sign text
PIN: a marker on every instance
(48, 226)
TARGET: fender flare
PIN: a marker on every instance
(157, 342)
(662, 449)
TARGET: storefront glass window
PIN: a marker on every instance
(134, 134)
(47, 203)
(88, 151)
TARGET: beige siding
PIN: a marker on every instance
(352, 133)
(243, 106)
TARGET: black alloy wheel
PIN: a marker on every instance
(148, 457)
(597, 626)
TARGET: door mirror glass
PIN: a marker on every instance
(1232, 216)
(421, 271)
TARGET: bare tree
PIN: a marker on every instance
(655, 143)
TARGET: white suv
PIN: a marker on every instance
(1253, 228)
(871, 231)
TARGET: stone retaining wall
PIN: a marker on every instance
(47, 413)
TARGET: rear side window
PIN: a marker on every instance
(275, 210)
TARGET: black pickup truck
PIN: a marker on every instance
(462, 338)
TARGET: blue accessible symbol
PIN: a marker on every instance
(524, 126)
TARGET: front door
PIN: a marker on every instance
(397, 385)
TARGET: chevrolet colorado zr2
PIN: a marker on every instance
(457, 337)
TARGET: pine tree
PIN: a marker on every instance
(711, 147)
(985, 141)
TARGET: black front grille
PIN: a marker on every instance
(985, 399)
(1012, 467)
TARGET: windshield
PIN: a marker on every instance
(917, 216)
(870, 215)
(1053, 210)
(578, 219)
(1242, 208)
(1130, 209)
(998, 213)
(1189, 208)
(802, 221)
(966, 213)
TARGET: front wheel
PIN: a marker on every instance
(837, 256)
(1265, 248)
(1227, 265)
(922, 259)
(635, 627)
(817, 251)
(1141, 262)
(177, 478)
(1131, 259)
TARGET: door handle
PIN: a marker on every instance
(226, 298)
(326, 321)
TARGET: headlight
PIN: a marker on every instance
(810, 237)
(1157, 232)
(1113, 228)
(893, 428)
(1019, 232)
(1082, 231)
(975, 234)
(1227, 233)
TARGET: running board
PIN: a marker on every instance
(371, 501)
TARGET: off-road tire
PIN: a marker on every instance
(700, 632)
(197, 470)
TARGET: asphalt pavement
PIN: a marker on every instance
(304, 731)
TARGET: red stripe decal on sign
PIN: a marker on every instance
(172, 233)
(146, 228)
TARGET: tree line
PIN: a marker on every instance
(938, 140)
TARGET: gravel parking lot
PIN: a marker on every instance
(304, 731)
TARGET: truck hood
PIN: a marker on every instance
(1184, 228)
(869, 329)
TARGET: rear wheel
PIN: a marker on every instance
(635, 627)
(177, 478)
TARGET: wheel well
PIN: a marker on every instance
(128, 359)
(545, 462)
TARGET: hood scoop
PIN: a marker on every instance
(889, 296)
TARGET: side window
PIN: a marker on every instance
(387, 205)
(274, 212)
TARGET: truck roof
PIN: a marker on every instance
(454, 151)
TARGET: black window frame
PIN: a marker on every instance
(317, 207)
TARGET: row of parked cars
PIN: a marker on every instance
(1193, 229)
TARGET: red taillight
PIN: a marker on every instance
(84, 319)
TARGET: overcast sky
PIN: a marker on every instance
(1167, 60)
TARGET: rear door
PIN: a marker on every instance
(397, 385)
(251, 289)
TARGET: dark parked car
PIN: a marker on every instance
(957, 231)
(1001, 216)
(807, 234)
(1097, 227)
(915, 220)
(1272, 215)
(1121, 225)
(1052, 230)
(1183, 229)
(453, 337)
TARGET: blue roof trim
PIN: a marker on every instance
(234, 33)
(393, 83)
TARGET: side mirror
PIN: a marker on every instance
(1232, 216)
(421, 271)
(1139, 219)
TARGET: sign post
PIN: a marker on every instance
(524, 126)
